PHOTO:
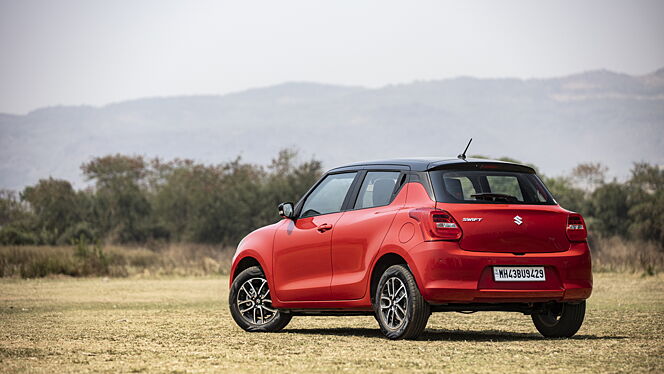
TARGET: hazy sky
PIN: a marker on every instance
(96, 52)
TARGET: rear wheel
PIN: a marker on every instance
(560, 320)
(400, 309)
(250, 303)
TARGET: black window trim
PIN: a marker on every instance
(424, 180)
(353, 191)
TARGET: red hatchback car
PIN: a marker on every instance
(400, 239)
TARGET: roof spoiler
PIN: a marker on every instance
(485, 165)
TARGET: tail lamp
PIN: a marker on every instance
(437, 224)
(576, 228)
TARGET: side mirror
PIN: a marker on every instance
(286, 210)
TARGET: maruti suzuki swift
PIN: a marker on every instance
(400, 239)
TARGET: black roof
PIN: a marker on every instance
(425, 163)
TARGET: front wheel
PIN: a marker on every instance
(560, 320)
(400, 309)
(250, 303)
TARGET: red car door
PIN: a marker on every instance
(302, 263)
(359, 233)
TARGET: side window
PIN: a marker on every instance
(376, 189)
(328, 196)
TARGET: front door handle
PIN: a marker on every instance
(324, 227)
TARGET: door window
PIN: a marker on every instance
(328, 196)
(376, 189)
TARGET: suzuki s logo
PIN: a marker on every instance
(518, 220)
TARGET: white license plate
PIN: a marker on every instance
(519, 273)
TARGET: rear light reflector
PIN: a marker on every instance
(576, 228)
(437, 224)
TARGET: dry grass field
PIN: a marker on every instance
(182, 325)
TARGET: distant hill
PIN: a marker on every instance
(554, 123)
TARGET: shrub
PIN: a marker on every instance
(91, 259)
(76, 232)
(618, 254)
(13, 236)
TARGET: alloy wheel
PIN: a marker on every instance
(254, 303)
(394, 303)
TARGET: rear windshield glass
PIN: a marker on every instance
(489, 187)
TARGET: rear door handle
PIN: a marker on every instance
(324, 227)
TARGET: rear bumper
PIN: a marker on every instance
(447, 274)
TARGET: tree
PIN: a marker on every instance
(16, 221)
(589, 176)
(568, 196)
(646, 201)
(222, 203)
(11, 208)
(121, 207)
(55, 205)
(189, 201)
(609, 208)
(110, 171)
(288, 181)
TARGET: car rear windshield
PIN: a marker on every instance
(489, 187)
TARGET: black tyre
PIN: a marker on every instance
(251, 305)
(400, 309)
(560, 320)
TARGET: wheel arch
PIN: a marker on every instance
(244, 264)
(385, 261)
(254, 250)
(246, 259)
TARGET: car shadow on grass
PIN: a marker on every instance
(447, 335)
(498, 336)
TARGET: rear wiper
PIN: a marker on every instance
(494, 196)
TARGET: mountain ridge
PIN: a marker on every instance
(657, 73)
(598, 116)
